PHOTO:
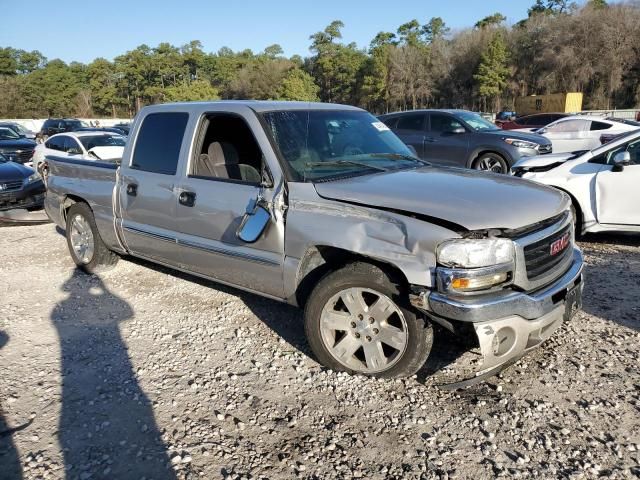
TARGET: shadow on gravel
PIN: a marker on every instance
(9, 459)
(612, 277)
(107, 427)
(286, 321)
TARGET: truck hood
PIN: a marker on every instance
(454, 196)
(107, 153)
(11, 171)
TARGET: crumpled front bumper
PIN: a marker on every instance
(509, 324)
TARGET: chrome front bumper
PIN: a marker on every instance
(509, 324)
(529, 306)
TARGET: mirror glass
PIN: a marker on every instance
(253, 225)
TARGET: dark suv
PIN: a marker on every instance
(463, 139)
(51, 126)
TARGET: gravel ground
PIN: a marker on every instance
(143, 373)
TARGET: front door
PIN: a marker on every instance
(222, 181)
(147, 188)
(445, 145)
(618, 192)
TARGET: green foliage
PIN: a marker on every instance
(435, 29)
(299, 85)
(491, 21)
(493, 71)
(198, 90)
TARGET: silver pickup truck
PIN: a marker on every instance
(323, 207)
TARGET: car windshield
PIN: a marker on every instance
(8, 134)
(476, 122)
(77, 124)
(92, 141)
(322, 145)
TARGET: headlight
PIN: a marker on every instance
(468, 266)
(521, 143)
(33, 178)
(470, 253)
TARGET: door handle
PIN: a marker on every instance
(132, 189)
(429, 139)
(188, 199)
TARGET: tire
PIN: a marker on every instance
(395, 344)
(81, 230)
(491, 162)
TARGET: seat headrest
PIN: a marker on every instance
(223, 153)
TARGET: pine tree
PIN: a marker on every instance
(492, 73)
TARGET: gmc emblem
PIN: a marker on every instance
(560, 244)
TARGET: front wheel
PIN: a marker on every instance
(491, 162)
(359, 321)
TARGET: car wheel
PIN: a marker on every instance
(86, 247)
(358, 320)
(491, 162)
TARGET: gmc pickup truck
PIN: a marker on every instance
(323, 207)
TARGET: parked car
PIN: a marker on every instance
(125, 127)
(463, 139)
(603, 183)
(20, 186)
(14, 147)
(581, 132)
(504, 116)
(532, 122)
(52, 126)
(89, 145)
(19, 129)
(323, 207)
(116, 130)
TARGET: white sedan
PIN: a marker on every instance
(581, 132)
(604, 184)
(81, 145)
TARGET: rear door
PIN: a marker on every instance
(147, 187)
(221, 181)
(410, 127)
(618, 192)
(569, 135)
(442, 145)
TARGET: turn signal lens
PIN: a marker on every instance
(479, 283)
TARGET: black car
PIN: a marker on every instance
(20, 186)
(125, 127)
(19, 129)
(51, 126)
(14, 147)
(463, 139)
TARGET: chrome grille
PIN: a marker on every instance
(10, 186)
(539, 258)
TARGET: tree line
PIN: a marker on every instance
(559, 47)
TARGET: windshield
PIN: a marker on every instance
(77, 124)
(90, 142)
(320, 145)
(8, 134)
(476, 122)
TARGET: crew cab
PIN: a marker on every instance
(323, 207)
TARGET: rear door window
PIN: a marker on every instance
(411, 122)
(158, 143)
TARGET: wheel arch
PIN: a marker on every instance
(70, 200)
(319, 260)
(475, 154)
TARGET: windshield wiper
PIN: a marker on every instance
(400, 156)
(345, 162)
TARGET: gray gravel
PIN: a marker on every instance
(143, 373)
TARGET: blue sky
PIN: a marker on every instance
(85, 29)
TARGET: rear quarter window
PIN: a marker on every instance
(158, 143)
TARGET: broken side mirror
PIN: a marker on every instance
(621, 160)
(254, 222)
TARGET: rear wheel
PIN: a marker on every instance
(491, 162)
(358, 320)
(87, 249)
